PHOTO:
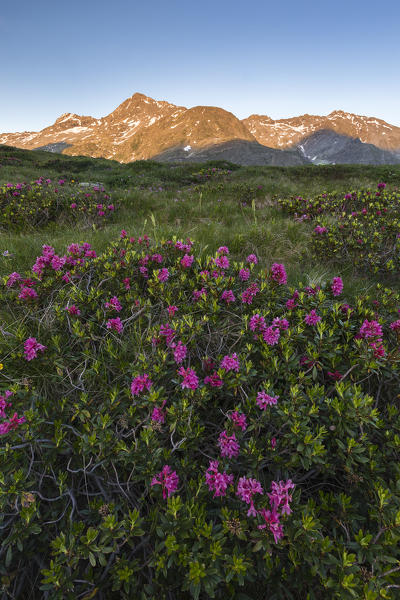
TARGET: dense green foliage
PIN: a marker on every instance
(361, 227)
(126, 374)
(36, 204)
(77, 502)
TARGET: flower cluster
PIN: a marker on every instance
(359, 228)
(168, 479)
(279, 499)
(190, 379)
(228, 444)
(12, 422)
(43, 201)
(32, 347)
(217, 482)
(140, 383)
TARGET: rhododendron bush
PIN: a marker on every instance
(361, 227)
(174, 425)
(44, 201)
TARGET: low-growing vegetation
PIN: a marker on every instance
(42, 202)
(208, 412)
(361, 227)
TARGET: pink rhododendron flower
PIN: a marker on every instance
(217, 482)
(291, 304)
(199, 294)
(252, 259)
(228, 296)
(312, 290)
(239, 420)
(264, 400)
(27, 292)
(278, 273)
(140, 383)
(395, 325)
(73, 310)
(144, 260)
(271, 518)
(158, 414)
(187, 261)
(182, 246)
(123, 234)
(280, 496)
(312, 318)
(32, 347)
(320, 230)
(250, 293)
(378, 348)
(115, 324)
(336, 375)
(11, 424)
(168, 479)
(167, 332)
(246, 489)
(271, 335)
(228, 444)
(257, 323)
(4, 404)
(180, 351)
(244, 274)
(28, 282)
(223, 250)
(190, 379)
(114, 304)
(13, 278)
(337, 286)
(222, 262)
(273, 443)
(370, 329)
(172, 310)
(282, 324)
(74, 249)
(230, 363)
(214, 380)
(163, 275)
(127, 283)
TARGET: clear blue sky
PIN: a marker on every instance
(279, 58)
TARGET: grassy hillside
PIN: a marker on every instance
(211, 203)
(199, 377)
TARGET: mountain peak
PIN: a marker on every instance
(66, 117)
(142, 128)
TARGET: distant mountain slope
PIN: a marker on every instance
(283, 133)
(330, 147)
(143, 128)
(237, 151)
(198, 127)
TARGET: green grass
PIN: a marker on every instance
(228, 211)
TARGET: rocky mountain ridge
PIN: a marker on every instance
(283, 133)
(143, 128)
